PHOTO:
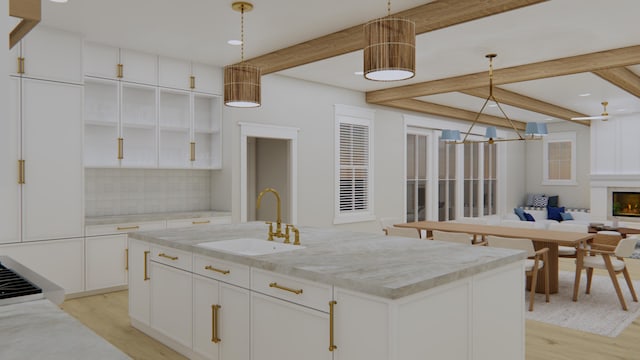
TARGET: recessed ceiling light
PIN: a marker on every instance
(359, 73)
(585, 94)
(59, 1)
(548, 119)
(492, 105)
(234, 42)
(621, 110)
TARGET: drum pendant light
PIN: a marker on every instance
(390, 48)
(242, 80)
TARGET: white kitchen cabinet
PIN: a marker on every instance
(109, 62)
(178, 223)
(49, 54)
(186, 75)
(139, 281)
(293, 307)
(220, 320)
(10, 189)
(49, 125)
(282, 330)
(60, 261)
(171, 302)
(106, 261)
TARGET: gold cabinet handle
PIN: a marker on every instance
(174, 258)
(295, 291)
(126, 259)
(146, 259)
(20, 65)
(192, 82)
(120, 71)
(21, 179)
(332, 345)
(223, 272)
(214, 323)
(193, 151)
(201, 222)
(120, 228)
(120, 148)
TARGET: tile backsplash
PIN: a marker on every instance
(138, 191)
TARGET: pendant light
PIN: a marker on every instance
(390, 48)
(533, 130)
(242, 80)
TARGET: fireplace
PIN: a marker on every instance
(624, 203)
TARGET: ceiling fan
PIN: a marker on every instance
(604, 116)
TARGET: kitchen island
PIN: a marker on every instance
(341, 295)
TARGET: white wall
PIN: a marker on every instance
(516, 174)
(4, 59)
(574, 196)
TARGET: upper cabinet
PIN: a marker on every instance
(120, 64)
(186, 75)
(137, 116)
(49, 54)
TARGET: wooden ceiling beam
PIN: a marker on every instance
(528, 103)
(429, 17)
(545, 69)
(623, 78)
(30, 12)
(451, 112)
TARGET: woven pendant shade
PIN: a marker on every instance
(390, 50)
(242, 85)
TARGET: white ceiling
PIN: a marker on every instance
(199, 30)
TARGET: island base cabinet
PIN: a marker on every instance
(220, 320)
(106, 261)
(139, 281)
(286, 331)
(171, 303)
(477, 318)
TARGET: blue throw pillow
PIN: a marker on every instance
(553, 213)
(520, 213)
(529, 217)
(566, 216)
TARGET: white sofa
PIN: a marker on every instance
(581, 216)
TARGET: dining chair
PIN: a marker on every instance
(537, 260)
(402, 232)
(456, 237)
(568, 251)
(474, 221)
(611, 259)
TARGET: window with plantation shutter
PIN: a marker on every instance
(353, 166)
(559, 154)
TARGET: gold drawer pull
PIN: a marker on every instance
(146, 273)
(126, 260)
(200, 222)
(223, 272)
(193, 152)
(120, 71)
(120, 228)
(174, 258)
(332, 346)
(295, 291)
(214, 323)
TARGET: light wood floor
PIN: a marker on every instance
(107, 315)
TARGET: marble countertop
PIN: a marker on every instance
(118, 219)
(40, 330)
(385, 266)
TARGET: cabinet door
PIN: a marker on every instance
(106, 261)
(174, 73)
(138, 125)
(139, 281)
(139, 67)
(286, 331)
(52, 54)
(175, 129)
(60, 261)
(234, 324)
(206, 130)
(101, 119)
(171, 306)
(206, 295)
(52, 150)
(101, 60)
(208, 79)
(9, 187)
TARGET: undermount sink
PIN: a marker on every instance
(249, 246)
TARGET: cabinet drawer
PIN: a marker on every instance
(189, 222)
(303, 292)
(232, 273)
(123, 228)
(172, 257)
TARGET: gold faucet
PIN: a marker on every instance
(288, 227)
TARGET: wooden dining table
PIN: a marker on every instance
(541, 238)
